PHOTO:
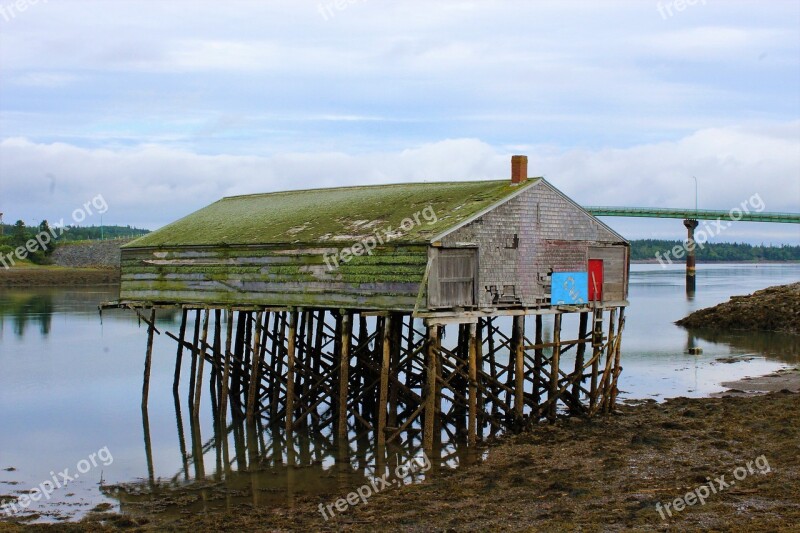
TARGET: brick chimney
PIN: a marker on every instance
(519, 168)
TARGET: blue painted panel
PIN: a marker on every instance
(569, 288)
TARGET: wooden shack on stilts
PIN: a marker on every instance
(398, 314)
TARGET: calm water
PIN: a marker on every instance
(70, 387)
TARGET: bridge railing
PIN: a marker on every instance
(735, 214)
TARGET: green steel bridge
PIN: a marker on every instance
(690, 218)
(735, 214)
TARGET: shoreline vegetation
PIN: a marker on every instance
(719, 262)
(57, 276)
(649, 251)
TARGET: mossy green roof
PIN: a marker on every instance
(338, 215)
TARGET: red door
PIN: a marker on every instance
(595, 280)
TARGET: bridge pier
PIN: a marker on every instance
(691, 225)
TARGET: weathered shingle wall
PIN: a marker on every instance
(551, 233)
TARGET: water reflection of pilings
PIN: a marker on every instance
(773, 345)
(264, 467)
(148, 447)
(350, 396)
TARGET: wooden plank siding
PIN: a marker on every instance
(615, 270)
(525, 239)
(453, 282)
(274, 276)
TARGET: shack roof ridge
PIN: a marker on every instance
(369, 186)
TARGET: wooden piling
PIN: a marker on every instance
(597, 349)
(344, 375)
(307, 356)
(254, 369)
(216, 375)
(518, 357)
(617, 360)
(275, 369)
(605, 388)
(479, 366)
(201, 361)
(290, 363)
(179, 355)
(554, 367)
(195, 352)
(148, 358)
(226, 371)
(247, 357)
(431, 388)
(472, 425)
(395, 367)
(579, 358)
(384, 383)
(538, 360)
(236, 373)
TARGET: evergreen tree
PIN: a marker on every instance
(44, 227)
(20, 234)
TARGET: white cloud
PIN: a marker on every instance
(715, 42)
(43, 79)
(170, 105)
(152, 185)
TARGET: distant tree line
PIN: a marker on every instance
(646, 249)
(18, 234)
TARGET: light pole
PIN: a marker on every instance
(101, 227)
(695, 194)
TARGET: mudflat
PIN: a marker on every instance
(622, 472)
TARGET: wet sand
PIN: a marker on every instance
(788, 379)
(606, 474)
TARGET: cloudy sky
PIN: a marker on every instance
(165, 106)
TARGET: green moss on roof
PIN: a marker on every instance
(332, 216)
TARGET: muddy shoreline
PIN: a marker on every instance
(610, 473)
(604, 474)
(787, 379)
(55, 276)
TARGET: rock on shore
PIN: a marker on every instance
(82, 263)
(95, 254)
(773, 309)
